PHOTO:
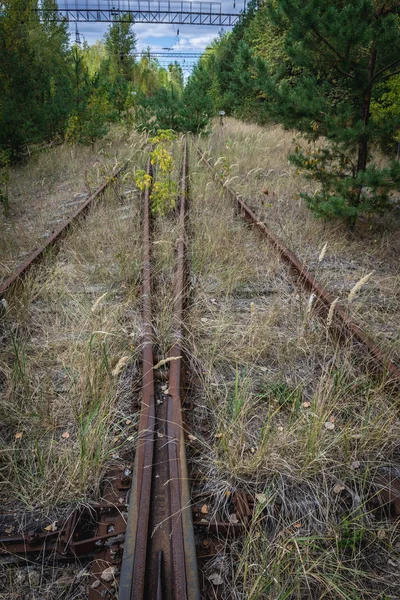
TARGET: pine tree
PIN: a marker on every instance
(197, 105)
(34, 78)
(341, 52)
(120, 43)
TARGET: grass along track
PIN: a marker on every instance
(284, 415)
(324, 302)
(280, 412)
(46, 190)
(254, 160)
(72, 327)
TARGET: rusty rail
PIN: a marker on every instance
(159, 560)
(308, 282)
(55, 237)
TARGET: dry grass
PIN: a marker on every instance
(289, 419)
(63, 411)
(254, 159)
(50, 186)
(282, 413)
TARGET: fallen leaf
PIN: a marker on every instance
(192, 438)
(329, 425)
(233, 518)
(108, 574)
(65, 435)
(280, 428)
(130, 438)
(261, 498)
(355, 465)
(393, 563)
(51, 527)
(338, 488)
(9, 529)
(18, 435)
(128, 422)
(306, 404)
(381, 534)
(253, 450)
(297, 525)
(218, 435)
(264, 369)
(216, 579)
(204, 320)
(204, 509)
(228, 493)
(332, 419)
(95, 584)
(160, 435)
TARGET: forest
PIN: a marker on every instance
(328, 70)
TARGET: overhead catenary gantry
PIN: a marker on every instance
(142, 11)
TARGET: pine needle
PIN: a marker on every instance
(359, 285)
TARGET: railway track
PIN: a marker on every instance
(159, 559)
(159, 553)
(322, 299)
(37, 255)
(146, 529)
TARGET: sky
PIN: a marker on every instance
(180, 38)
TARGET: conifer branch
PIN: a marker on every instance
(333, 50)
(396, 72)
(393, 64)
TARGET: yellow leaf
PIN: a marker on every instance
(18, 435)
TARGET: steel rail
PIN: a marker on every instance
(55, 237)
(308, 282)
(135, 547)
(159, 560)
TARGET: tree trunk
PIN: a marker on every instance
(362, 158)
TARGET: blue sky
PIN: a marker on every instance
(191, 38)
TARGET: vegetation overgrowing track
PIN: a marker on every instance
(159, 552)
(320, 297)
(56, 235)
(292, 454)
